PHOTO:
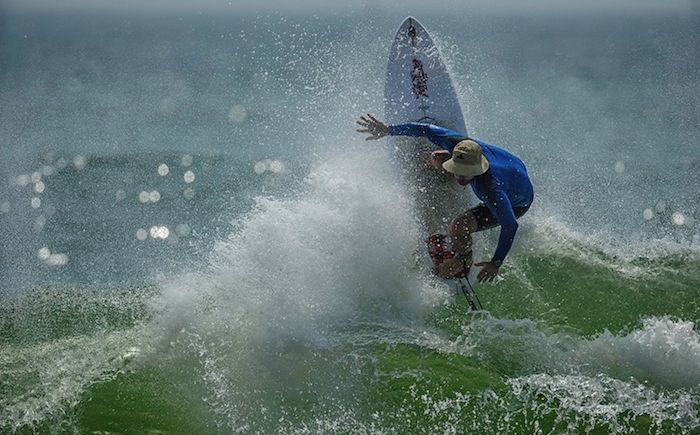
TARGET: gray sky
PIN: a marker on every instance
(321, 6)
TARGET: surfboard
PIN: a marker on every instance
(418, 86)
(419, 89)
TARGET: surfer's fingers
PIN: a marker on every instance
(484, 276)
(362, 130)
(364, 124)
(372, 117)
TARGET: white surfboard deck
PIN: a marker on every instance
(418, 86)
(419, 89)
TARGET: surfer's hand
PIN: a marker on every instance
(488, 271)
(449, 268)
(436, 158)
(376, 128)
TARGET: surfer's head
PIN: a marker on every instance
(467, 161)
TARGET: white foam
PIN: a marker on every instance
(311, 260)
(605, 401)
(294, 274)
(48, 378)
(663, 351)
(543, 232)
(606, 379)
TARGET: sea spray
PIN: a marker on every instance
(296, 272)
(664, 352)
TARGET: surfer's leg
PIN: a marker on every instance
(485, 220)
(461, 229)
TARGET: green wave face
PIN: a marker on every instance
(601, 346)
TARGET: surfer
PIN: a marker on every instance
(497, 177)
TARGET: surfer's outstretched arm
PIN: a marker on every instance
(440, 136)
(443, 137)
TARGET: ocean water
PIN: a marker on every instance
(195, 240)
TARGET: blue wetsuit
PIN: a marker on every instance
(505, 188)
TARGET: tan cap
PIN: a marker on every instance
(467, 160)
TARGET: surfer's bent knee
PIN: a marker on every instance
(463, 225)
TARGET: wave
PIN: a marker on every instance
(322, 294)
(607, 379)
(308, 261)
(545, 233)
(45, 380)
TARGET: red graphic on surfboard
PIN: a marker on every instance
(412, 34)
(419, 79)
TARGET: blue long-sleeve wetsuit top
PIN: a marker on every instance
(504, 186)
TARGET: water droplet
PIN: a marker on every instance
(237, 113)
(36, 202)
(619, 167)
(120, 195)
(57, 260)
(183, 230)
(79, 162)
(44, 253)
(144, 197)
(159, 232)
(163, 170)
(39, 187)
(188, 193)
(186, 160)
(648, 214)
(260, 167)
(23, 180)
(39, 223)
(678, 218)
(48, 170)
(154, 196)
(277, 167)
(189, 177)
(5, 207)
(141, 234)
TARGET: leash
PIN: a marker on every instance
(481, 307)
